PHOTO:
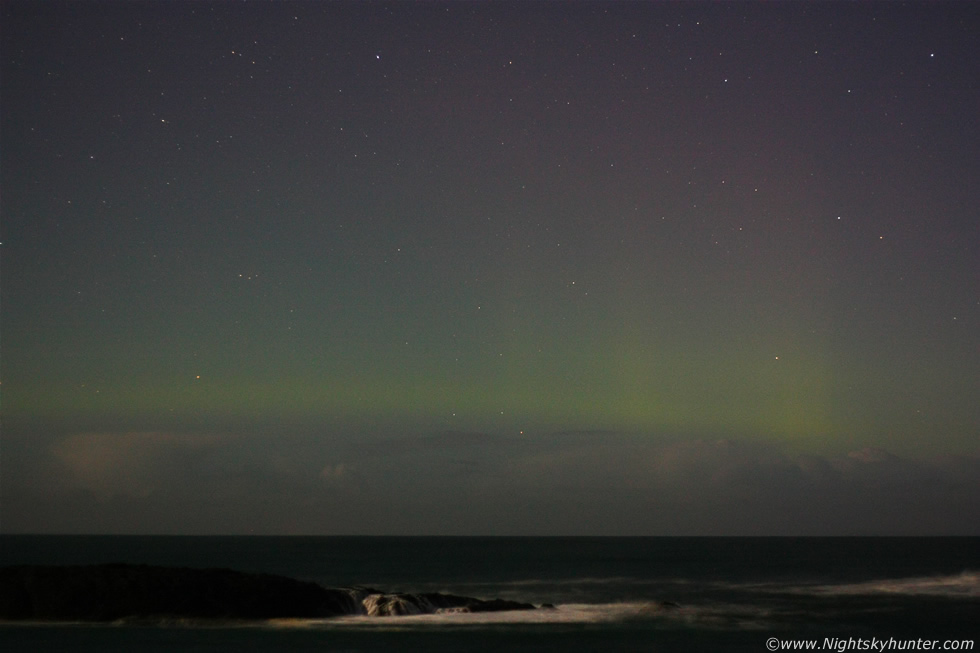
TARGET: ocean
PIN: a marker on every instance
(731, 594)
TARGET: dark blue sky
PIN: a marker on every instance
(297, 256)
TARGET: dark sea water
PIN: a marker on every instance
(733, 594)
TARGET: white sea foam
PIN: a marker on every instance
(566, 613)
(377, 605)
(963, 585)
(709, 614)
(587, 580)
(569, 613)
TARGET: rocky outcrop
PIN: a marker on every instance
(124, 592)
(381, 604)
(112, 592)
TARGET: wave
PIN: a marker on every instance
(578, 580)
(965, 584)
(702, 606)
(666, 613)
(962, 585)
(566, 613)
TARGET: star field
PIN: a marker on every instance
(732, 220)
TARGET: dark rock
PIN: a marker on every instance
(499, 605)
(469, 604)
(440, 601)
(113, 592)
(427, 603)
(141, 593)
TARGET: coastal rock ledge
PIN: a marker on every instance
(117, 592)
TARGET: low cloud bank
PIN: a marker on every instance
(471, 483)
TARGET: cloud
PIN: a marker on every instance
(568, 483)
(132, 463)
(721, 486)
(873, 455)
(337, 471)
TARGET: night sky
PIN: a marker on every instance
(490, 268)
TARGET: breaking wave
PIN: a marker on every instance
(571, 613)
(962, 585)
